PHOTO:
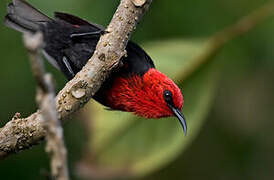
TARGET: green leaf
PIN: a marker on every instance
(124, 144)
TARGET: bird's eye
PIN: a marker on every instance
(167, 94)
(168, 97)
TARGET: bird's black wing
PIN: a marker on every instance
(74, 20)
(137, 62)
(70, 53)
(73, 52)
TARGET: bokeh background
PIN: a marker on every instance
(228, 89)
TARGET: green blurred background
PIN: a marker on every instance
(236, 138)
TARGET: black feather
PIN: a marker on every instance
(76, 20)
(24, 18)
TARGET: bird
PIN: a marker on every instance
(136, 87)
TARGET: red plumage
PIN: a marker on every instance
(143, 95)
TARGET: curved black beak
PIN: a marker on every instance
(181, 118)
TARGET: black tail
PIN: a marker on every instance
(23, 17)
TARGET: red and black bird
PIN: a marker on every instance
(136, 87)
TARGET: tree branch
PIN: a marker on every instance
(22, 133)
(46, 100)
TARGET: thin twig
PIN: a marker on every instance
(46, 100)
(22, 133)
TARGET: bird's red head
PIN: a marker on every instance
(152, 95)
